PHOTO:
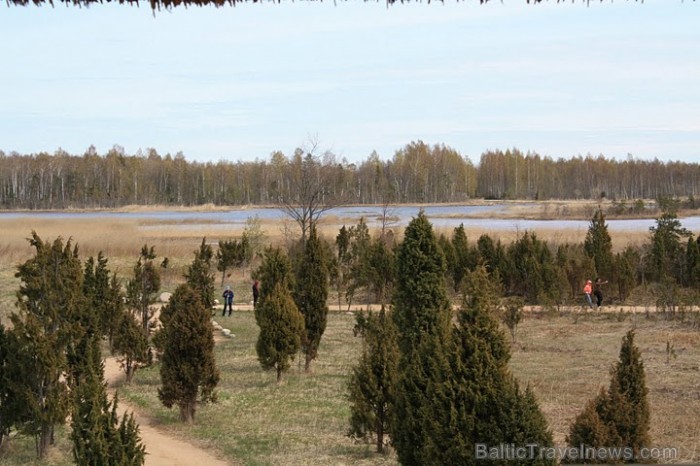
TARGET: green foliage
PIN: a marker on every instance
(281, 324)
(666, 255)
(130, 344)
(513, 314)
(487, 405)
(340, 273)
(491, 255)
(50, 303)
(620, 415)
(104, 295)
(373, 379)
(356, 255)
(188, 370)
(624, 271)
(465, 258)
(142, 289)
(598, 245)
(692, 263)
(199, 276)
(281, 328)
(531, 272)
(232, 253)
(7, 414)
(422, 316)
(98, 437)
(311, 295)
(274, 269)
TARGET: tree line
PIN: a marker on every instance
(416, 173)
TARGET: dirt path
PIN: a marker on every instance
(161, 448)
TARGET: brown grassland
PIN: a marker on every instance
(565, 356)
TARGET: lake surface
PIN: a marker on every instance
(448, 216)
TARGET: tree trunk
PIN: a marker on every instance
(307, 362)
(43, 441)
(187, 412)
(380, 434)
(279, 374)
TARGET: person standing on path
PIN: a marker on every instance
(587, 290)
(228, 301)
(598, 291)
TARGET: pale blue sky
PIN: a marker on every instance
(237, 83)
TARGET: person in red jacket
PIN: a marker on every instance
(587, 290)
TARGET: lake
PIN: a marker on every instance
(445, 216)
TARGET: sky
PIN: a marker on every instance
(617, 78)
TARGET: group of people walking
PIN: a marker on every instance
(595, 289)
(229, 296)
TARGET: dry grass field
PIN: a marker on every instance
(566, 358)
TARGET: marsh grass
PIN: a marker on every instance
(303, 420)
(566, 359)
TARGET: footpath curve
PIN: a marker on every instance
(161, 449)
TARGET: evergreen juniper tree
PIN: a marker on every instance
(373, 379)
(199, 276)
(130, 344)
(188, 369)
(311, 295)
(598, 245)
(142, 289)
(488, 407)
(97, 435)
(422, 315)
(619, 416)
(49, 300)
(465, 257)
(281, 324)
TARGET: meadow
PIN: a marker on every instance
(566, 357)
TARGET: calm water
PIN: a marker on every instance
(350, 215)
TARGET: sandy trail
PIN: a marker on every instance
(161, 449)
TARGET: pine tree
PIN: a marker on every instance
(188, 370)
(49, 300)
(311, 295)
(373, 380)
(422, 315)
(598, 245)
(488, 406)
(281, 324)
(619, 416)
(199, 276)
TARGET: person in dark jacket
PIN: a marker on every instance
(598, 291)
(228, 301)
